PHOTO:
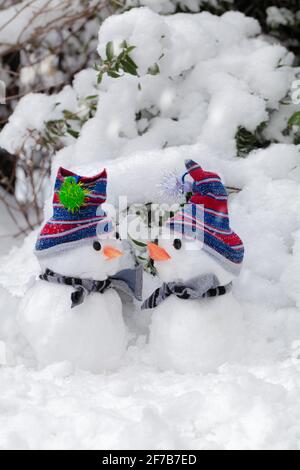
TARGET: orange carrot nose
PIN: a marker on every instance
(112, 253)
(157, 253)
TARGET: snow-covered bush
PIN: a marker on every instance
(279, 18)
(222, 78)
(42, 44)
(171, 6)
(221, 61)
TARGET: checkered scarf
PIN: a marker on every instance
(198, 288)
(128, 282)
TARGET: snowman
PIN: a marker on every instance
(197, 324)
(74, 312)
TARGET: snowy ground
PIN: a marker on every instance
(205, 95)
(7, 229)
(138, 407)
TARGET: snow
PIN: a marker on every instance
(24, 19)
(186, 339)
(201, 96)
(280, 16)
(137, 407)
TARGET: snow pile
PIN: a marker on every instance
(220, 76)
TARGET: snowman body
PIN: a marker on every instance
(91, 336)
(194, 335)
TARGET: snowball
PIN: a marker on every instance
(92, 336)
(196, 336)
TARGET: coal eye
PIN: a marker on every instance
(117, 236)
(177, 244)
(97, 246)
(156, 241)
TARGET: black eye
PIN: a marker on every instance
(97, 246)
(156, 241)
(177, 244)
(117, 235)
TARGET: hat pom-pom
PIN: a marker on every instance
(72, 194)
(174, 186)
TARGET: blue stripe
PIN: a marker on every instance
(235, 256)
(196, 211)
(46, 243)
(213, 187)
(60, 213)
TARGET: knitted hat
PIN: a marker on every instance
(206, 218)
(77, 214)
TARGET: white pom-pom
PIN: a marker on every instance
(173, 186)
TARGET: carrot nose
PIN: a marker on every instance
(157, 253)
(112, 253)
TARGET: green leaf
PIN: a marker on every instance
(142, 259)
(138, 243)
(130, 49)
(70, 116)
(130, 61)
(113, 74)
(294, 120)
(73, 133)
(128, 67)
(123, 44)
(92, 97)
(154, 69)
(110, 50)
(99, 78)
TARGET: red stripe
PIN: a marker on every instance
(210, 203)
(51, 229)
(186, 218)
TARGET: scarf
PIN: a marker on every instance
(128, 282)
(200, 287)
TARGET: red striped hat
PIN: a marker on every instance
(206, 218)
(77, 213)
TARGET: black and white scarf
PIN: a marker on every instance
(200, 287)
(128, 282)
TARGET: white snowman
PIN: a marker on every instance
(73, 313)
(197, 324)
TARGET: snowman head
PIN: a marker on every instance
(198, 240)
(79, 239)
(180, 260)
(97, 259)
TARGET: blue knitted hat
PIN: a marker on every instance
(77, 213)
(206, 218)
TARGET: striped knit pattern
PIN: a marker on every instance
(205, 218)
(67, 229)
